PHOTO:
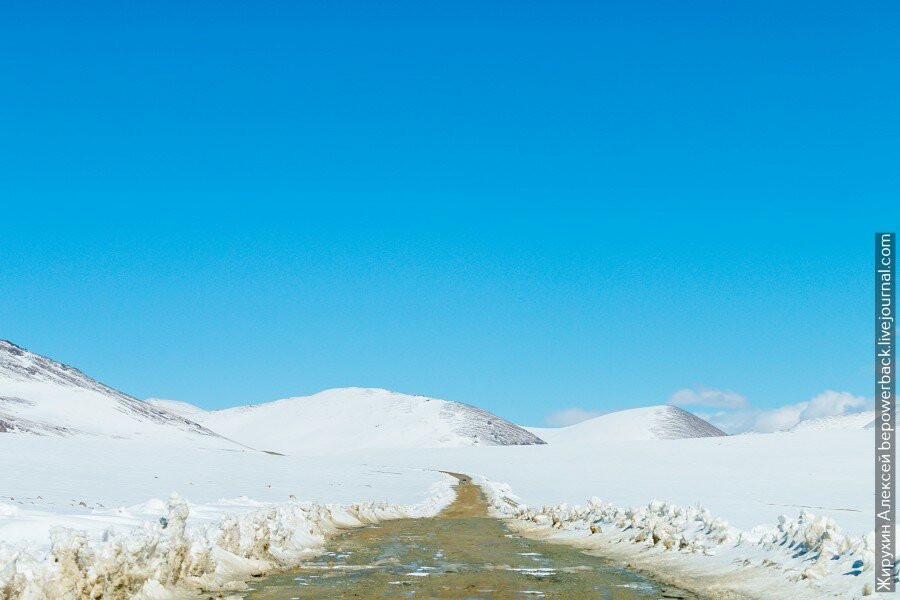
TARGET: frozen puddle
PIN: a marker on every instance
(461, 553)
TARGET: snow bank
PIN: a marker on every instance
(159, 558)
(808, 557)
(91, 483)
(85, 517)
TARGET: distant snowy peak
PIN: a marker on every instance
(861, 420)
(185, 409)
(39, 395)
(351, 419)
(651, 423)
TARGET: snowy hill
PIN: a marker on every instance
(185, 409)
(856, 421)
(651, 423)
(350, 419)
(43, 397)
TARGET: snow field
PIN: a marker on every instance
(808, 557)
(167, 558)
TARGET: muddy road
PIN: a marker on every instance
(461, 553)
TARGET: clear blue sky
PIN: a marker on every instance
(525, 206)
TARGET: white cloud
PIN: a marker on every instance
(766, 420)
(570, 416)
(830, 403)
(776, 419)
(708, 397)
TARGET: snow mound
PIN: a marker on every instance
(43, 397)
(651, 423)
(857, 421)
(352, 419)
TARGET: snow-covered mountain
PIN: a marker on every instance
(651, 423)
(855, 421)
(41, 396)
(352, 419)
(185, 409)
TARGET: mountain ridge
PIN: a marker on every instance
(42, 396)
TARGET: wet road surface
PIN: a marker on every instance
(461, 553)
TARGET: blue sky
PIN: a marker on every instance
(525, 206)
